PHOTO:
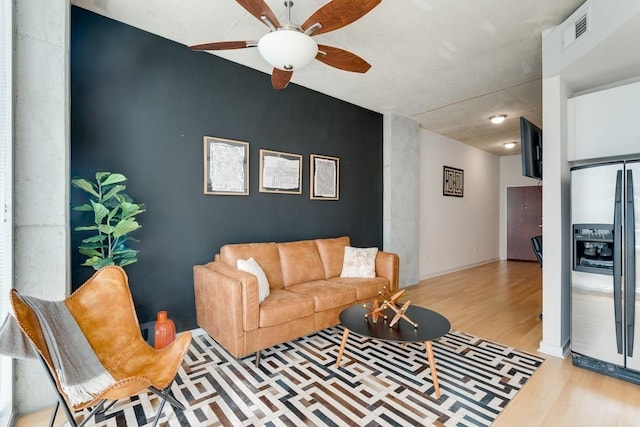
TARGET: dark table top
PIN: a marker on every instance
(431, 325)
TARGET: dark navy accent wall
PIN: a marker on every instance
(141, 104)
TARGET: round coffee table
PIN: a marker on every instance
(431, 325)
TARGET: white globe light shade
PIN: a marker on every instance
(287, 49)
(498, 118)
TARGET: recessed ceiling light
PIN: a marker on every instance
(498, 118)
(509, 145)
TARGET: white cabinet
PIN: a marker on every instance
(604, 124)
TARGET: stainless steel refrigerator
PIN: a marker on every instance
(605, 323)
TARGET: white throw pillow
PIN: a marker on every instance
(251, 266)
(359, 262)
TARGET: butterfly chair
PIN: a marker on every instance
(104, 311)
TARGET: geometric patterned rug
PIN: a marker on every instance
(378, 383)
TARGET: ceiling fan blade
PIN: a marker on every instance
(342, 59)
(224, 45)
(259, 8)
(280, 78)
(338, 13)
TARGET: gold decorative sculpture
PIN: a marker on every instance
(389, 301)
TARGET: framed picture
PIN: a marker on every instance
(280, 172)
(324, 177)
(226, 166)
(452, 181)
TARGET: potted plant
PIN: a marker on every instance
(113, 218)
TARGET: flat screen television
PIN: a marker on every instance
(531, 149)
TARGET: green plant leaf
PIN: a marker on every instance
(124, 227)
(102, 263)
(105, 228)
(115, 190)
(107, 245)
(125, 253)
(90, 252)
(92, 245)
(95, 239)
(86, 228)
(114, 178)
(102, 175)
(130, 209)
(83, 208)
(127, 261)
(92, 262)
(85, 185)
(122, 197)
(113, 213)
(123, 239)
(99, 212)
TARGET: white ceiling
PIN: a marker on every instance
(448, 64)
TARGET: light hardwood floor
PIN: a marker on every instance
(501, 301)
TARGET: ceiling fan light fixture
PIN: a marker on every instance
(287, 49)
(509, 145)
(497, 118)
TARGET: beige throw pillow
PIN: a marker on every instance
(251, 266)
(359, 262)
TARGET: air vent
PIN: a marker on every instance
(579, 27)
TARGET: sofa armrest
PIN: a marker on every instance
(388, 266)
(226, 298)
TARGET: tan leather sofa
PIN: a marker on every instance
(306, 292)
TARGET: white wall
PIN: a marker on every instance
(510, 176)
(457, 232)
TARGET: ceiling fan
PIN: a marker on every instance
(289, 47)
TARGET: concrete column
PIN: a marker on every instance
(556, 221)
(41, 152)
(401, 200)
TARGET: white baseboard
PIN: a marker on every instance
(555, 350)
(459, 268)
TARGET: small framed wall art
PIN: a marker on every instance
(324, 177)
(226, 166)
(280, 172)
(452, 181)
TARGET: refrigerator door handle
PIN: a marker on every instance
(617, 260)
(630, 265)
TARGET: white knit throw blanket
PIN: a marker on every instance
(81, 375)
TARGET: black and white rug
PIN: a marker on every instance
(378, 384)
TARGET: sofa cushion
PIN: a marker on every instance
(251, 266)
(300, 262)
(366, 289)
(265, 254)
(332, 254)
(326, 295)
(284, 306)
(359, 262)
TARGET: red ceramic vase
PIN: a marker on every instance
(165, 330)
